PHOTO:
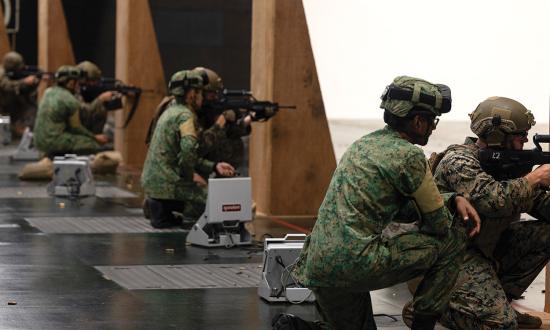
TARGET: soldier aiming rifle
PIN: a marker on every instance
(504, 164)
(244, 103)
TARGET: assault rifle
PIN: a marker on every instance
(505, 164)
(28, 70)
(244, 103)
(90, 91)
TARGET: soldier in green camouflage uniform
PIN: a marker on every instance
(223, 136)
(378, 177)
(17, 94)
(58, 129)
(507, 255)
(173, 159)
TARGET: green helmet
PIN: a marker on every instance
(13, 61)
(408, 93)
(182, 81)
(212, 81)
(91, 71)
(67, 72)
(497, 117)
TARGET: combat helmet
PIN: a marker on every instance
(67, 72)
(405, 94)
(182, 81)
(91, 71)
(13, 61)
(497, 117)
(212, 81)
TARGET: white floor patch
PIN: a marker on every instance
(204, 276)
(40, 192)
(95, 225)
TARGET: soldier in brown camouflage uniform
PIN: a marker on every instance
(223, 136)
(93, 111)
(17, 94)
(380, 177)
(173, 158)
(508, 254)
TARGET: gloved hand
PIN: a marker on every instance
(230, 115)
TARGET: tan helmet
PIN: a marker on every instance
(181, 81)
(90, 70)
(497, 117)
(67, 72)
(213, 82)
(408, 93)
(13, 61)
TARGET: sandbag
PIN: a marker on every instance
(41, 170)
(106, 162)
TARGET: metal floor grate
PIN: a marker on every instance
(204, 276)
(95, 225)
(40, 192)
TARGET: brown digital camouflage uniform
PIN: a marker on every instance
(223, 144)
(173, 158)
(507, 255)
(346, 254)
(17, 100)
(93, 115)
(58, 129)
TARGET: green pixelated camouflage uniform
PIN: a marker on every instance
(346, 254)
(173, 158)
(57, 128)
(507, 255)
(17, 100)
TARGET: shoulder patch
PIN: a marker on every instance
(188, 128)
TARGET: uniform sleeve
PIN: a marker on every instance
(418, 183)
(238, 129)
(95, 108)
(15, 86)
(463, 174)
(541, 206)
(436, 218)
(212, 137)
(190, 161)
(75, 125)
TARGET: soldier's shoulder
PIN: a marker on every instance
(460, 154)
(387, 144)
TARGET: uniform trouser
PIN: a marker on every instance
(398, 260)
(481, 297)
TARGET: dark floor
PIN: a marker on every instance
(49, 280)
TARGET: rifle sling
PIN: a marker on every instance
(135, 104)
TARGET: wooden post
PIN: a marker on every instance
(54, 44)
(291, 156)
(138, 63)
(4, 41)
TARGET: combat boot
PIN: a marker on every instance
(424, 322)
(527, 321)
(286, 321)
(407, 314)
